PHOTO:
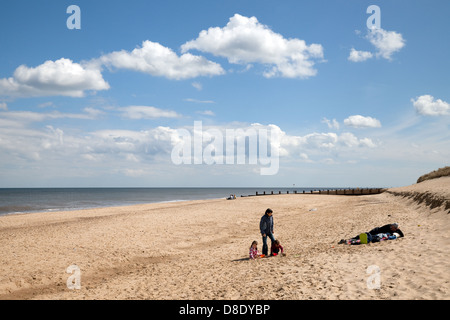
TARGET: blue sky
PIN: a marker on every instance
(100, 105)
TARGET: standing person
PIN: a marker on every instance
(266, 228)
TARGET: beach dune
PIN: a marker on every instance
(199, 249)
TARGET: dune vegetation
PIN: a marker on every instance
(441, 172)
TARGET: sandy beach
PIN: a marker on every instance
(198, 250)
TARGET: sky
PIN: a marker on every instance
(146, 93)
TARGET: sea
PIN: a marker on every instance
(28, 200)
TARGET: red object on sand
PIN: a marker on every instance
(274, 254)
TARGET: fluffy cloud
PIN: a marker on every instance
(323, 141)
(48, 146)
(358, 121)
(428, 106)
(53, 145)
(245, 40)
(359, 56)
(332, 124)
(157, 60)
(53, 78)
(129, 142)
(385, 42)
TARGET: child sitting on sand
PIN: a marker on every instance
(275, 249)
(254, 251)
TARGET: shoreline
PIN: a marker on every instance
(198, 250)
(125, 202)
(49, 211)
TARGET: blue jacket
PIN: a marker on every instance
(266, 224)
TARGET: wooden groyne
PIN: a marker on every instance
(345, 192)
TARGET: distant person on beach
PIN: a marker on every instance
(254, 251)
(276, 249)
(266, 228)
(375, 238)
(387, 229)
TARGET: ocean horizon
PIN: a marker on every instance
(30, 200)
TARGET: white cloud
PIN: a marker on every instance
(321, 143)
(157, 60)
(61, 148)
(198, 101)
(304, 156)
(332, 124)
(428, 106)
(245, 40)
(146, 112)
(46, 105)
(109, 153)
(386, 42)
(135, 173)
(197, 85)
(206, 113)
(3, 106)
(92, 112)
(349, 140)
(366, 142)
(53, 78)
(358, 121)
(359, 56)
(22, 118)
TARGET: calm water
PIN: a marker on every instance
(17, 200)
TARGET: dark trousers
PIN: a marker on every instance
(265, 249)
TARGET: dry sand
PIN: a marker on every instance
(199, 250)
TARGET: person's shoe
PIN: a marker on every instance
(342, 241)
